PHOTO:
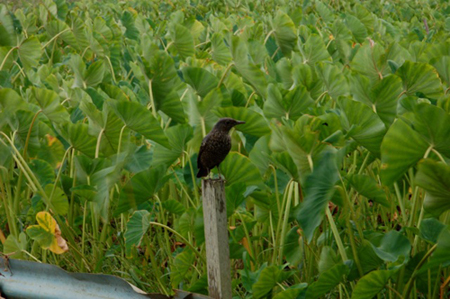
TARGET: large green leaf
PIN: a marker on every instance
(434, 178)
(247, 69)
(362, 124)
(393, 246)
(81, 140)
(314, 50)
(30, 52)
(139, 119)
(255, 124)
(319, 189)
(141, 188)
(238, 168)
(292, 104)
(182, 40)
(371, 284)
(49, 102)
(430, 230)
(402, 147)
(200, 79)
(367, 187)
(327, 281)
(420, 77)
(335, 83)
(137, 226)
(178, 136)
(285, 32)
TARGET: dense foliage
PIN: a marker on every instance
(337, 184)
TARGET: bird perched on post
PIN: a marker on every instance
(215, 146)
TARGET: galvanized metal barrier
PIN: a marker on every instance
(30, 280)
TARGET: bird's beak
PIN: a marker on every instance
(238, 122)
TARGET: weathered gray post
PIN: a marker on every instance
(216, 239)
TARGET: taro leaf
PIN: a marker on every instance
(49, 102)
(393, 246)
(128, 21)
(94, 74)
(371, 60)
(10, 102)
(367, 187)
(141, 120)
(296, 291)
(247, 69)
(235, 197)
(426, 127)
(238, 168)
(367, 257)
(159, 69)
(86, 192)
(139, 160)
(259, 154)
(324, 11)
(141, 188)
(43, 171)
(60, 30)
(401, 148)
(319, 189)
(440, 255)
(371, 284)
(357, 28)
(335, 83)
(219, 51)
(301, 143)
(173, 206)
(182, 263)
(200, 112)
(268, 279)
(200, 80)
(137, 226)
(442, 66)
(58, 200)
(434, 178)
(327, 281)
(182, 40)
(284, 162)
(293, 247)
(15, 247)
(255, 124)
(432, 122)
(86, 78)
(104, 180)
(430, 229)
(178, 136)
(382, 97)
(290, 105)
(285, 32)
(47, 233)
(80, 139)
(420, 77)
(385, 95)
(328, 259)
(314, 50)
(30, 52)
(362, 124)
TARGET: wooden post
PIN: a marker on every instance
(216, 239)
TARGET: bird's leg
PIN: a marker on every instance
(218, 170)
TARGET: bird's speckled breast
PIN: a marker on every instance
(217, 146)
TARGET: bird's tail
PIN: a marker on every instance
(202, 172)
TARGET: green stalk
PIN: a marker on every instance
(287, 210)
(409, 284)
(10, 216)
(337, 237)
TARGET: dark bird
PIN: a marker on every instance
(215, 146)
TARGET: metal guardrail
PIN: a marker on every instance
(30, 280)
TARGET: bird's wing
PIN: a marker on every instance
(202, 148)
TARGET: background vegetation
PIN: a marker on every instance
(338, 184)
